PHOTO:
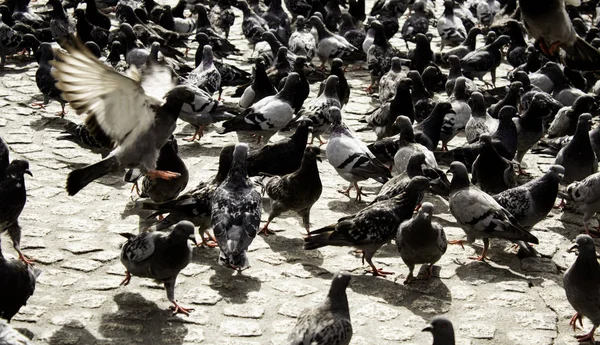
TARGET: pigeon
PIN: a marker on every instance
(398, 183)
(205, 111)
(206, 76)
(416, 23)
(87, 31)
(278, 20)
(343, 89)
(578, 157)
(60, 27)
(383, 118)
(551, 27)
(479, 215)
(318, 111)
(282, 157)
(457, 120)
(583, 194)
(159, 190)
(505, 138)
(297, 191)
(371, 227)
(267, 116)
(565, 121)
(422, 98)
(428, 131)
(96, 17)
(350, 157)
(408, 146)
(302, 42)
(221, 47)
(442, 331)
(512, 98)
(159, 256)
(421, 241)
(379, 55)
(10, 336)
(80, 135)
(455, 73)
(44, 80)
(298, 9)
(331, 45)
(329, 322)
(260, 88)
(194, 205)
(128, 109)
(422, 55)
(231, 75)
(17, 284)
(582, 286)
(221, 16)
(253, 26)
(389, 81)
(236, 210)
(450, 27)
(530, 127)
(562, 88)
(13, 196)
(486, 59)
(531, 202)
(486, 11)
(350, 31)
(467, 46)
(491, 172)
(517, 53)
(480, 121)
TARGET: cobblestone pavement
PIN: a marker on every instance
(75, 241)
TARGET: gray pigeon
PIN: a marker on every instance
(585, 196)
(17, 284)
(491, 172)
(329, 322)
(206, 76)
(480, 121)
(236, 210)
(351, 157)
(297, 191)
(578, 157)
(531, 202)
(582, 286)
(421, 241)
(530, 127)
(10, 336)
(139, 114)
(442, 330)
(159, 256)
(203, 112)
(318, 111)
(479, 215)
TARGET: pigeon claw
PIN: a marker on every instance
(378, 272)
(25, 260)
(459, 242)
(266, 231)
(573, 322)
(127, 279)
(561, 205)
(178, 309)
(586, 337)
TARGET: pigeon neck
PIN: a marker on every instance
(322, 31)
(587, 261)
(83, 23)
(449, 11)
(471, 40)
(308, 166)
(207, 60)
(338, 300)
(407, 134)
(46, 56)
(380, 39)
(455, 71)
(459, 181)
(288, 91)
(274, 44)
(478, 109)
(460, 92)
(275, 6)
(414, 168)
(261, 78)
(238, 174)
(90, 6)
(58, 11)
(331, 90)
(301, 135)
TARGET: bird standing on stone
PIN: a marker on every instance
(582, 286)
(329, 322)
(578, 157)
(17, 284)
(236, 210)
(585, 196)
(421, 241)
(442, 331)
(159, 256)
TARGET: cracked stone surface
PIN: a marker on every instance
(75, 241)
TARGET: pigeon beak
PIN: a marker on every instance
(429, 328)
(573, 248)
(28, 172)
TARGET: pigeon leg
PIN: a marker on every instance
(486, 245)
(523, 172)
(265, 230)
(593, 234)
(359, 192)
(62, 111)
(459, 242)
(14, 231)
(368, 255)
(444, 147)
(198, 133)
(369, 88)
(127, 279)
(574, 320)
(347, 191)
(176, 307)
(40, 105)
(418, 208)
(410, 278)
(165, 175)
(587, 337)
(24, 259)
(208, 241)
(321, 142)
(136, 188)
(561, 205)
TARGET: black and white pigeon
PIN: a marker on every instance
(512, 98)
(578, 157)
(318, 111)
(531, 202)
(422, 56)
(267, 116)
(457, 120)
(331, 45)
(398, 183)
(13, 196)
(301, 41)
(389, 81)
(205, 111)
(206, 76)
(480, 121)
(236, 210)
(565, 121)
(60, 26)
(416, 23)
(455, 73)
(479, 215)
(442, 331)
(297, 191)
(486, 59)
(343, 89)
(383, 118)
(380, 54)
(530, 127)
(428, 132)
(450, 27)
(467, 46)
(421, 240)
(139, 114)
(17, 284)
(408, 146)
(584, 197)
(87, 31)
(80, 135)
(159, 256)
(486, 11)
(253, 26)
(329, 322)
(350, 157)
(45, 81)
(260, 88)
(491, 172)
(352, 33)
(582, 286)
(371, 227)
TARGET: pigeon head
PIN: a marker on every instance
(94, 48)
(316, 22)
(419, 7)
(476, 102)
(18, 167)
(225, 161)
(490, 37)
(300, 61)
(181, 94)
(516, 87)
(460, 176)
(346, 18)
(558, 170)
(312, 153)
(522, 77)
(415, 164)
(444, 108)
(337, 65)
(396, 64)
(595, 43)
(202, 39)
(404, 84)
(442, 330)
(46, 52)
(426, 210)
(293, 79)
(331, 86)
(417, 184)
(585, 245)
(508, 112)
(552, 70)
(448, 7)
(422, 40)
(501, 41)
(339, 283)
(454, 61)
(300, 22)
(184, 229)
(79, 13)
(539, 101)
(585, 103)
(207, 55)
(584, 122)
(485, 139)
(243, 5)
(154, 48)
(404, 125)
(460, 84)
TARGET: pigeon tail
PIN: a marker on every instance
(80, 178)
(582, 56)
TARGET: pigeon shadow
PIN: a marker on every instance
(476, 272)
(432, 292)
(292, 249)
(347, 206)
(49, 122)
(232, 285)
